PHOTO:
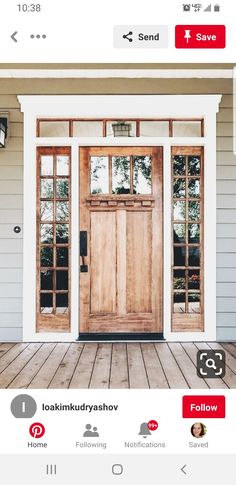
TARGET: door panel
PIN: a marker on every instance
(103, 262)
(139, 262)
(121, 210)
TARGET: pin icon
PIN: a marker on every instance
(23, 406)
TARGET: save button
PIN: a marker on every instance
(200, 36)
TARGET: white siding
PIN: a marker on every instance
(11, 187)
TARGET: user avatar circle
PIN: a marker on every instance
(198, 430)
(23, 406)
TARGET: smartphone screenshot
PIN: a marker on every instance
(117, 242)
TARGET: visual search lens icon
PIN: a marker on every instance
(23, 406)
(211, 364)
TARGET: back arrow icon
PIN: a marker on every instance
(183, 469)
(13, 36)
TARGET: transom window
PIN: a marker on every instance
(120, 128)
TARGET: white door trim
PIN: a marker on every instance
(119, 107)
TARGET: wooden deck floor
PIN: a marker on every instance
(114, 366)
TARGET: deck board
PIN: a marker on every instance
(137, 372)
(172, 371)
(83, 371)
(102, 367)
(154, 370)
(63, 375)
(27, 374)
(187, 367)
(119, 367)
(7, 376)
(115, 366)
(43, 379)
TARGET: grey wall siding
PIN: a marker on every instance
(226, 223)
(11, 188)
(11, 214)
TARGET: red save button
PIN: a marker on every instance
(200, 36)
(203, 407)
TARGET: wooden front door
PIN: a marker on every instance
(121, 234)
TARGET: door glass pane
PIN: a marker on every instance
(187, 128)
(46, 256)
(62, 189)
(179, 165)
(179, 233)
(154, 128)
(99, 175)
(193, 302)
(193, 211)
(87, 128)
(46, 233)
(179, 256)
(142, 182)
(194, 165)
(194, 279)
(179, 188)
(46, 188)
(62, 280)
(47, 280)
(46, 165)
(179, 210)
(46, 303)
(62, 165)
(62, 257)
(179, 279)
(62, 233)
(194, 188)
(54, 128)
(193, 256)
(62, 303)
(121, 175)
(46, 211)
(130, 129)
(179, 302)
(194, 233)
(62, 211)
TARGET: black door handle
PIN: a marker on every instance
(83, 250)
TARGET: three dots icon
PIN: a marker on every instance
(38, 36)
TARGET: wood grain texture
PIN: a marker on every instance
(114, 366)
(103, 262)
(122, 291)
(139, 262)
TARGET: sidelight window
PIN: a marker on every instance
(53, 223)
(187, 225)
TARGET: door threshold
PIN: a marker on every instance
(121, 337)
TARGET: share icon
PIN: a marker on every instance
(127, 36)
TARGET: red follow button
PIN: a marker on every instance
(200, 36)
(203, 406)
